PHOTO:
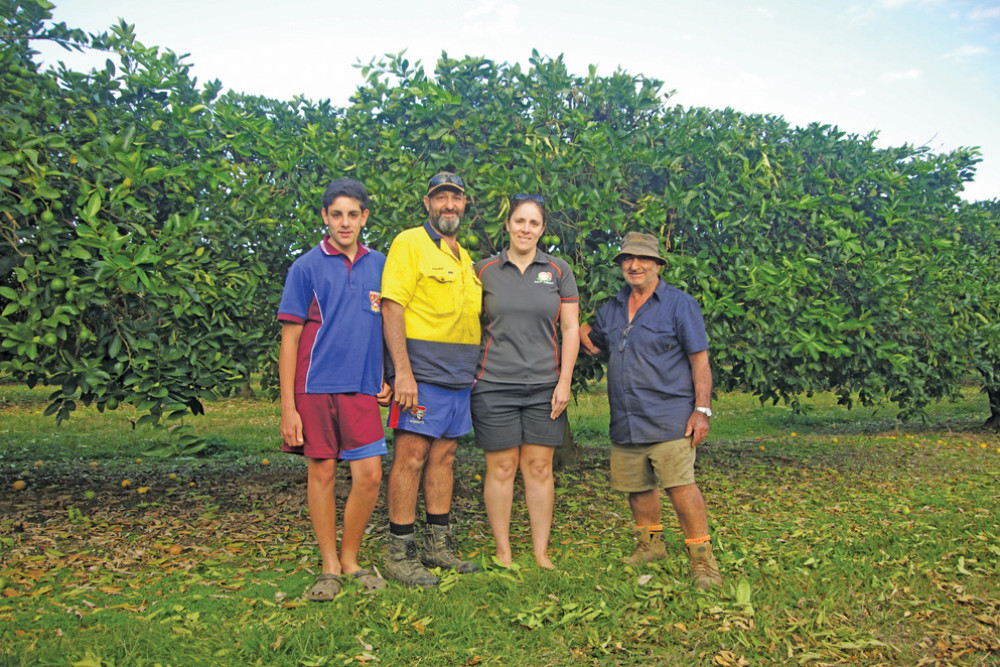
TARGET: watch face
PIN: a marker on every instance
(707, 411)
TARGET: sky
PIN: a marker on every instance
(918, 72)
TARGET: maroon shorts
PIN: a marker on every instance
(347, 427)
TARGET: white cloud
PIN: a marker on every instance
(967, 51)
(492, 14)
(909, 75)
(897, 4)
(985, 13)
(857, 92)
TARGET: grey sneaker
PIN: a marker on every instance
(402, 565)
(648, 547)
(704, 569)
(439, 551)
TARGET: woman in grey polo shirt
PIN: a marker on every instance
(523, 380)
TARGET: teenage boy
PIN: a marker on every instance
(330, 371)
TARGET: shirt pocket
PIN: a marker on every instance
(442, 291)
(658, 337)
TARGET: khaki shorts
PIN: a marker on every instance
(662, 465)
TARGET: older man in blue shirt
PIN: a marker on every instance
(660, 391)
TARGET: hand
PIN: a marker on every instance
(384, 397)
(697, 428)
(589, 348)
(405, 393)
(560, 399)
(291, 428)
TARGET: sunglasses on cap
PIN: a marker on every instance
(446, 179)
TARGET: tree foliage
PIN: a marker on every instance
(147, 221)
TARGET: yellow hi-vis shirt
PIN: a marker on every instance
(441, 298)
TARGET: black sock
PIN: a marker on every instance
(400, 529)
(438, 519)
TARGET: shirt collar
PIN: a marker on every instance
(658, 291)
(329, 249)
(540, 257)
(433, 233)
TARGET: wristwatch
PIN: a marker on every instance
(706, 411)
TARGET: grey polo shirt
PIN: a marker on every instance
(520, 316)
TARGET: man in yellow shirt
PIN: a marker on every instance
(431, 301)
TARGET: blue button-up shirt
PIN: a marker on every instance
(650, 386)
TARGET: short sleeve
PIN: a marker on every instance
(399, 277)
(567, 283)
(296, 296)
(691, 326)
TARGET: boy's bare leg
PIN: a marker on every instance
(323, 510)
(366, 477)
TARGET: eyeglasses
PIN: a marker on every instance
(624, 340)
(446, 179)
(538, 199)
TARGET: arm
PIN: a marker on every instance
(394, 330)
(291, 422)
(589, 348)
(701, 373)
(569, 327)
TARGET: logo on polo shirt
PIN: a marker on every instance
(543, 278)
(375, 298)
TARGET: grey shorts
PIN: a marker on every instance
(509, 415)
(662, 465)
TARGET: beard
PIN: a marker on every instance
(446, 226)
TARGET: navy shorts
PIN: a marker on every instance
(441, 413)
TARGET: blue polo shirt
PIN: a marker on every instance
(338, 302)
(650, 387)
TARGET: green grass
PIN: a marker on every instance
(844, 537)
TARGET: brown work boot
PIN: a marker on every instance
(402, 564)
(439, 551)
(704, 569)
(648, 547)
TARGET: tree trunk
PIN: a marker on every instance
(569, 454)
(994, 421)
